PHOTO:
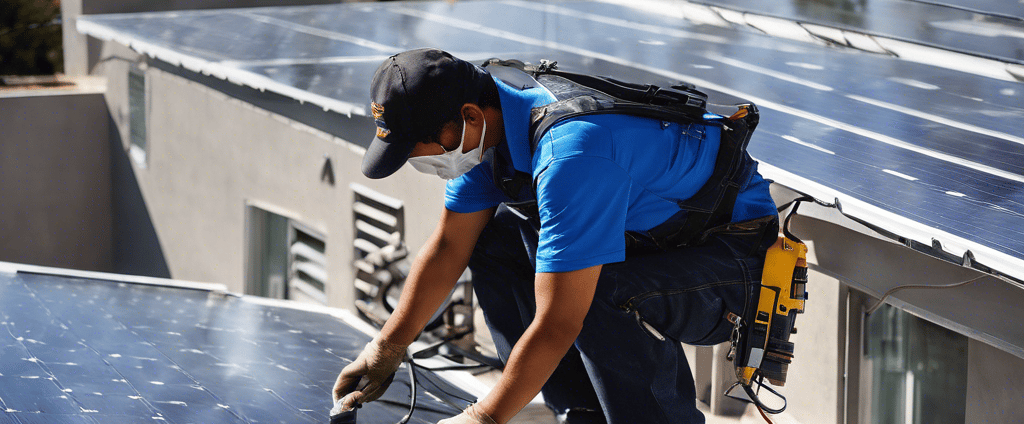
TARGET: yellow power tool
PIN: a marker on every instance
(783, 293)
(760, 345)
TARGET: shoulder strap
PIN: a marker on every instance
(684, 97)
(579, 94)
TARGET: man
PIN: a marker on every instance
(574, 313)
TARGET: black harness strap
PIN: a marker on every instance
(578, 95)
(712, 205)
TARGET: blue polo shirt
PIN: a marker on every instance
(599, 176)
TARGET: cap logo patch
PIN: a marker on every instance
(378, 118)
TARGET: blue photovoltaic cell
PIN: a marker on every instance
(939, 147)
(91, 351)
(995, 30)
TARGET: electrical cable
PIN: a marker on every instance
(455, 367)
(412, 389)
(414, 383)
(763, 414)
(934, 250)
(755, 398)
(919, 286)
(419, 407)
(447, 393)
(431, 350)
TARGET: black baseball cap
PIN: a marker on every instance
(413, 94)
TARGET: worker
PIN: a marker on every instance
(579, 310)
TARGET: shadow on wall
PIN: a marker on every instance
(55, 199)
(136, 247)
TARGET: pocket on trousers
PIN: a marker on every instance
(688, 316)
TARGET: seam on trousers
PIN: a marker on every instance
(629, 304)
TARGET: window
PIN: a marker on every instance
(917, 370)
(137, 102)
(285, 259)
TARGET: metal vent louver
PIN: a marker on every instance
(307, 270)
(137, 132)
(379, 247)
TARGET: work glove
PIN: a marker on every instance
(368, 377)
(471, 415)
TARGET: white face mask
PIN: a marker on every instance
(451, 165)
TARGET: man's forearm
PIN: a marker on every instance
(429, 282)
(563, 300)
(434, 273)
(531, 363)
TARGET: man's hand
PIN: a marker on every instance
(366, 378)
(563, 300)
(470, 416)
(433, 274)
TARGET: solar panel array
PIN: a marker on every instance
(927, 152)
(94, 351)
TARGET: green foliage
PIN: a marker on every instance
(30, 37)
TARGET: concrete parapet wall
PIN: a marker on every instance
(55, 190)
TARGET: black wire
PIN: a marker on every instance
(418, 407)
(447, 368)
(920, 286)
(931, 250)
(792, 213)
(757, 400)
(412, 390)
(437, 345)
(455, 367)
(413, 384)
(754, 397)
(449, 394)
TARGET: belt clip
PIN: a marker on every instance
(734, 340)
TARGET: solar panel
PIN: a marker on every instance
(78, 350)
(927, 152)
(980, 26)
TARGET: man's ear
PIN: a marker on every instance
(472, 114)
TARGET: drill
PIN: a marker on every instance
(766, 350)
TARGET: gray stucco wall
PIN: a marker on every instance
(993, 385)
(210, 155)
(55, 192)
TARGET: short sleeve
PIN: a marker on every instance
(583, 202)
(473, 191)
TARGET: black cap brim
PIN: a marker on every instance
(383, 159)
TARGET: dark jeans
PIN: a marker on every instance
(618, 366)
